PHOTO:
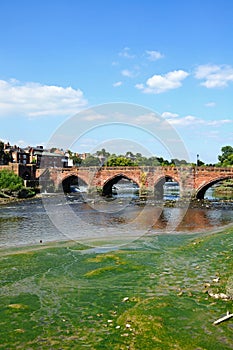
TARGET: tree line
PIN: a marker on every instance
(104, 158)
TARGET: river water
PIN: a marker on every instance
(59, 217)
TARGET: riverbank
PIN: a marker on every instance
(161, 292)
(180, 203)
(10, 200)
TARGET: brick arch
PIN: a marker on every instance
(166, 176)
(64, 183)
(75, 175)
(107, 185)
(200, 191)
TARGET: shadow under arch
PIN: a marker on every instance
(200, 192)
(108, 185)
(71, 182)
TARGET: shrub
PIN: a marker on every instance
(10, 181)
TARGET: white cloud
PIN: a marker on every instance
(210, 104)
(191, 120)
(118, 83)
(219, 122)
(169, 115)
(185, 121)
(139, 86)
(154, 55)
(126, 53)
(91, 115)
(35, 100)
(214, 76)
(147, 118)
(127, 73)
(162, 83)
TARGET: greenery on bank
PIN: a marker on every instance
(158, 293)
(11, 185)
(226, 158)
(9, 181)
(225, 188)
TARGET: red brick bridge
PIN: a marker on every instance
(192, 180)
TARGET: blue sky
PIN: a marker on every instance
(171, 57)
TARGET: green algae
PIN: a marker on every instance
(153, 294)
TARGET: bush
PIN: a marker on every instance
(10, 181)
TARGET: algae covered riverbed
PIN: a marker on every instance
(154, 294)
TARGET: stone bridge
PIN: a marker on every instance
(192, 180)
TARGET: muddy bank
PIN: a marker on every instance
(7, 200)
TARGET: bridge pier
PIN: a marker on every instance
(146, 191)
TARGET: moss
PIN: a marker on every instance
(151, 295)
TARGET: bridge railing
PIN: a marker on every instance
(147, 168)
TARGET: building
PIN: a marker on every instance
(53, 160)
(16, 154)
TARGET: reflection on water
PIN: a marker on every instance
(28, 223)
(171, 190)
(211, 194)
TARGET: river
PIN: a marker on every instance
(57, 218)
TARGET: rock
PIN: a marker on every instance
(223, 296)
(216, 279)
(125, 299)
(219, 296)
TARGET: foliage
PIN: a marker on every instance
(102, 153)
(178, 162)
(226, 158)
(5, 158)
(10, 181)
(90, 161)
(75, 158)
(120, 161)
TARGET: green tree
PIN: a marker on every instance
(226, 158)
(120, 161)
(90, 161)
(102, 153)
(178, 162)
(9, 181)
(75, 158)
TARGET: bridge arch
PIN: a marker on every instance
(109, 183)
(72, 180)
(200, 192)
(159, 185)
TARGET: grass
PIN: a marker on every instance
(150, 295)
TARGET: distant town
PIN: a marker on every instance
(53, 157)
